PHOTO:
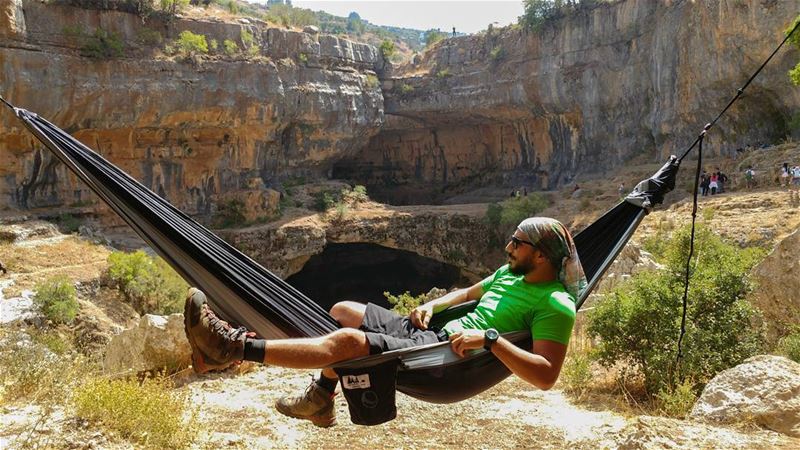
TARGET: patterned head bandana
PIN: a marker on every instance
(554, 240)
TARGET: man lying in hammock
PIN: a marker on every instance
(535, 291)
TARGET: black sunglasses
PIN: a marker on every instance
(515, 241)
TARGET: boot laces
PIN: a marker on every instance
(224, 329)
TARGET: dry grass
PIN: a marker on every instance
(149, 412)
(33, 261)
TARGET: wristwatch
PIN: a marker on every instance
(490, 336)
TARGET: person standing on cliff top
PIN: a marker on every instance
(535, 291)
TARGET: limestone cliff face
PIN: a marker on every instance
(503, 108)
(583, 95)
(198, 131)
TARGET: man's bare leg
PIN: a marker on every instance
(312, 353)
(316, 403)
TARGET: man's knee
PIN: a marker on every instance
(348, 314)
(350, 342)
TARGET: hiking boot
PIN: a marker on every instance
(215, 344)
(316, 405)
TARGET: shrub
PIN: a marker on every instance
(213, 45)
(56, 298)
(173, 7)
(247, 38)
(103, 44)
(372, 81)
(254, 50)
(576, 375)
(340, 211)
(149, 284)
(233, 7)
(517, 209)
(431, 37)
(789, 346)
(639, 321)
(150, 37)
(404, 303)
(444, 73)
(323, 201)
(30, 372)
(149, 413)
(387, 48)
(677, 401)
(497, 53)
(231, 48)
(355, 196)
(230, 214)
(406, 88)
(303, 58)
(189, 42)
(509, 213)
(67, 223)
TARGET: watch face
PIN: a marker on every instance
(492, 334)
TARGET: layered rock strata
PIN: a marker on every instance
(199, 131)
(581, 96)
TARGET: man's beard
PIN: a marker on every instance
(517, 267)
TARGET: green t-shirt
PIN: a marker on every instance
(509, 303)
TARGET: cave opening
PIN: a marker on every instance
(362, 272)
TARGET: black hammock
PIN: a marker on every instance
(245, 293)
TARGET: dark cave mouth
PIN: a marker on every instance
(362, 272)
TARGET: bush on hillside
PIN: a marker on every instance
(639, 322)
(230, 214)
(789, 346)
(503, 217)
(190, 43)
(149, 284)
(387, 48)
(57, 300)
(103, 44)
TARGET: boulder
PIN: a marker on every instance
(764, 389)
(777, 287)
(156, 342)
(310, 29)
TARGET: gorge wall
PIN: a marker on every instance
(583, 95)
(200, 131)
(503, 108)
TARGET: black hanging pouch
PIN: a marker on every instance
(370, 392)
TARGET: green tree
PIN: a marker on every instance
(354, 24)
(639, 322)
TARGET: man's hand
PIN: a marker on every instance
(421, 315)
(466, 340)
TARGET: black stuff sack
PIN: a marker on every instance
(370, 392)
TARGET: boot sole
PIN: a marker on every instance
(322, 422)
